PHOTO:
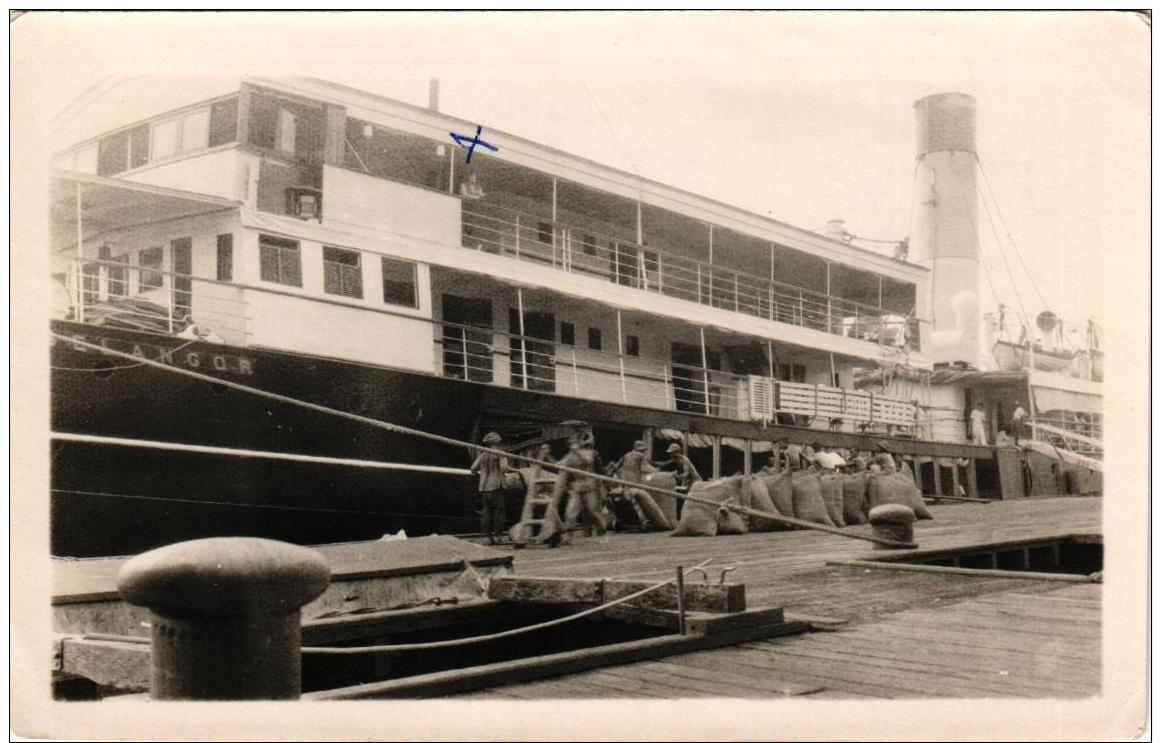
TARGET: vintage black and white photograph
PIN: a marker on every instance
(652, 375)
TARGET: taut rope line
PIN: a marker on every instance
(407, 431)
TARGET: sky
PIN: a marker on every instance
(803, 117)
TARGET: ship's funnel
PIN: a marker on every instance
(946, 240)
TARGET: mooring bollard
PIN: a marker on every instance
(894, 522)
(226, 621)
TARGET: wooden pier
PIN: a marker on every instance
(897, 634)
(877, 632)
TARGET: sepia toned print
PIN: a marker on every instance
(784, 384)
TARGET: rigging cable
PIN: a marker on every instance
(1003, 257)
(1004, 222)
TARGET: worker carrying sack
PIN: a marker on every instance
(808, 502)
(760, 500)
(855, 505)
(831, 486)
(780, 486)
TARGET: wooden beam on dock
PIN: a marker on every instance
(557, 664)
(715, 597)
(977, 572)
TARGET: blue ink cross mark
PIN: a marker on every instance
(469, 143)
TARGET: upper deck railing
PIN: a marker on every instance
(535, 239)
(113, 294)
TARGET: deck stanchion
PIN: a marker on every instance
(226, 615)
(681, 600)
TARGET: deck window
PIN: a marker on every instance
(165, 138)
(568, 334)
(632, 345)
(195, 130)
(595, 339)
(223, 122)
(138, 146)
(225, 257)
(150, 258)
(544, 232)
(281, 261)
(113, 154)
(399, 283)
(342, 273)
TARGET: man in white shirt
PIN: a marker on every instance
(979, 426)
(1019, 415)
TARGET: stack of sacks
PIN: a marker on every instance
(701, 520)
(808, 502)
(656, 516)
(761, 500)
(855, 504)
(887, 488)
(831, 485)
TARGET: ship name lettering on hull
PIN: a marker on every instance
(174, 356)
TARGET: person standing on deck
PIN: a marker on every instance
(979, 426)
(491, 468)
(584, 493)
(1019, 415)
(687, 474)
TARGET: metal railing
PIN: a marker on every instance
(501, 231)
(116, 294)
(507, 359)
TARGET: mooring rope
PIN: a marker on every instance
(365, 649)
(286, 456)
(407, 431)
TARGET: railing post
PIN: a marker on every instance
(517, 235)
(699, 300)
(621, 356)
(575, 376)
(226, 618)
(705, 372)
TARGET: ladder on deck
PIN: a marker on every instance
(539, 522)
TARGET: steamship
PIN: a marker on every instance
(321, 243)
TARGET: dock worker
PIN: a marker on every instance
(633, 467)
(687, 474)
(771, 466)
(979, 426)
(584, 493)
(491, 467)
(1019, 415)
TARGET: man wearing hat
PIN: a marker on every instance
(686, 473)
(633, 467)
(491, 467)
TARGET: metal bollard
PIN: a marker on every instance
(894, 522)
(226, 621)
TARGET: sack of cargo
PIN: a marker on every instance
(808, 502)
(855, 498)
(695, 516)
(896, 489)
(732, 522)
(699, 519)
(649, 507)
(831, 486)
(761, 501)
(668, 506)
(780, 486)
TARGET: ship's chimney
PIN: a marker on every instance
(433, 94)
(947, 239)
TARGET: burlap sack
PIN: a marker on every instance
(886, 488)
(855, 505)
(760, 500)
(808, 502)
(831, 486)
(780, 486)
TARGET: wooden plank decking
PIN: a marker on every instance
(907, 634)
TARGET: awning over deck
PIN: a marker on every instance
(112, 203)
